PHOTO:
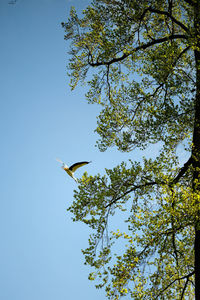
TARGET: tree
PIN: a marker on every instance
(141, 60)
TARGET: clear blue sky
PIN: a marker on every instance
(41, 119)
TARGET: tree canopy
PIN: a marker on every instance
(141, 60)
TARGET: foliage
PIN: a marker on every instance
(141, 60)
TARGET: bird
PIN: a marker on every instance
(70, 170)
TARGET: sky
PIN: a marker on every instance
(42, 119)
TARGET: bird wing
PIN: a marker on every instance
(63, 164)
(77, 165)
(59, 160)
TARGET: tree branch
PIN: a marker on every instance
(190, 2)
(140, 47)
(183, 291)
(183, 170)
(131, 190)
(174, 181)
(166, 13)
(181, 278)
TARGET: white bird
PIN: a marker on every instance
(70, 170)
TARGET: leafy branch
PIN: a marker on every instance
(140, 47)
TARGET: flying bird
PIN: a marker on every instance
(70, 170)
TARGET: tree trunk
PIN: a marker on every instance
(196, 150)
